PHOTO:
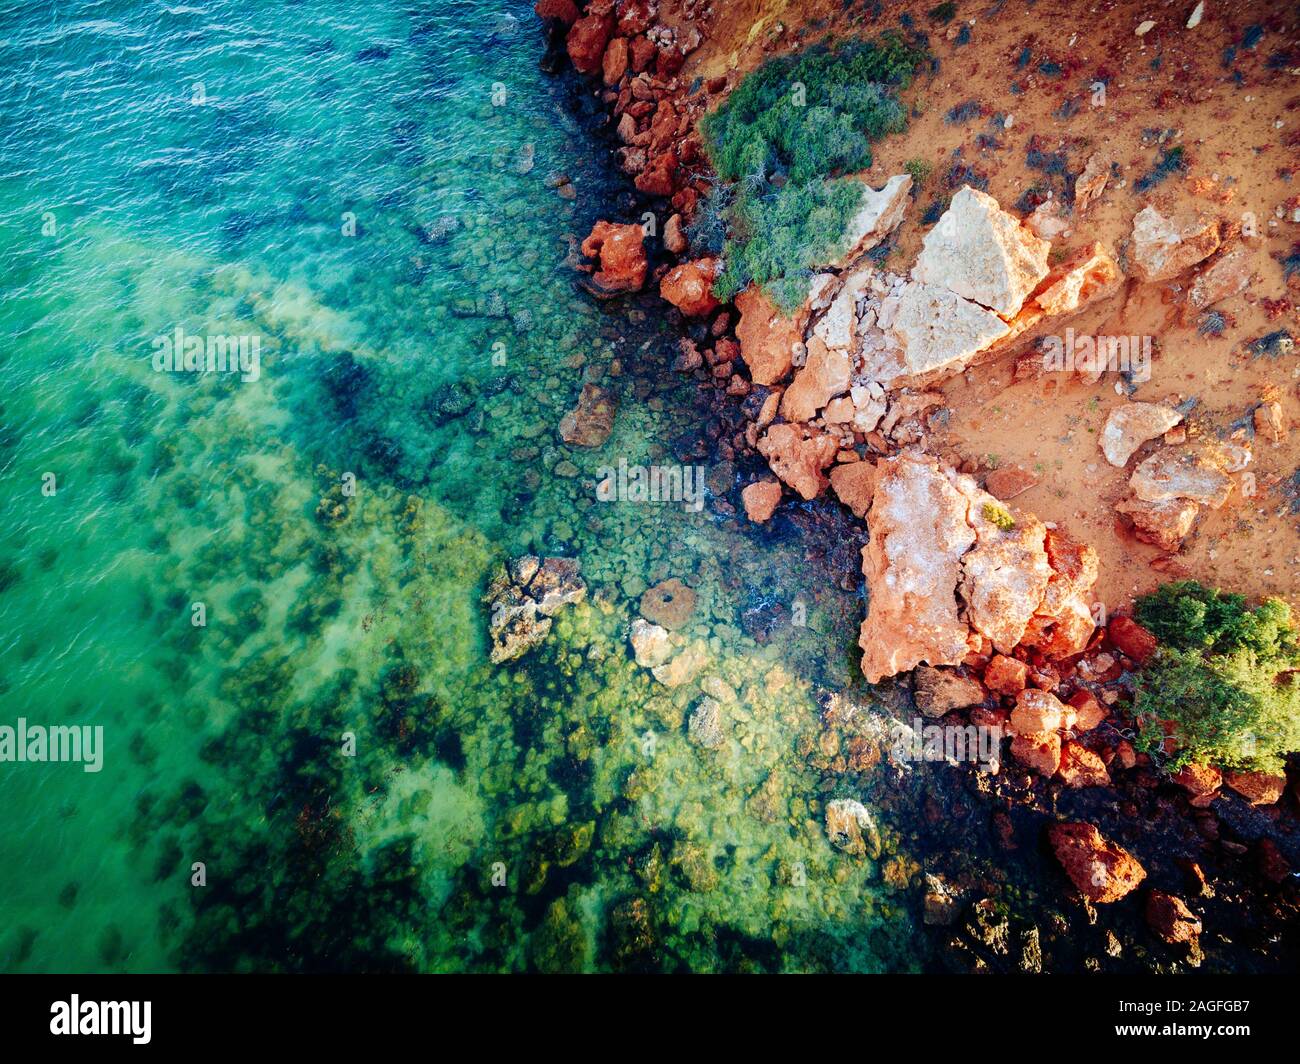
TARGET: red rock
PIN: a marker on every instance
(642, 52)
(1272, 865)
(767, 336)
(1171, 919)
(1126, 754)
(614, 63)
(855, 484)
(826, 374)
(1009, 482)
(1006, 675)
(1088, 712)
(1080, 767)
(564, 10)
(587, 40)
(659, 178)
(1041, 752)
(621, 253)
(669, 60)
(1101, 871)
(1258, 788)
(798, 455)
(635, 16)
(1201, 782)
(689, 287)
(1039, 711)
(761, 499)
(674, 238)
(1131, 638)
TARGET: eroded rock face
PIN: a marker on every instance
(1101, 871)
(767, 337)
(878, 215)
(983, 254)
(522, 599)
(1163, 247)
(799, 455)
(1005, 577)
(912, 563)
(1129, 426)
(621, 254)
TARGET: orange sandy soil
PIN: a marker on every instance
(1235, 143)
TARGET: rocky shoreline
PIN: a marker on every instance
(989, 608)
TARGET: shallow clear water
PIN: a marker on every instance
(339, 181)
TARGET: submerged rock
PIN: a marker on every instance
(851, 828)
(761, 499)
(650, 644)
(669, 603)
(592, 420)
(522, 599)
(705, 724)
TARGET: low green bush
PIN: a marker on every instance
(1224, 676)
(787, 128)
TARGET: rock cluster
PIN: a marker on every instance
(522, 598)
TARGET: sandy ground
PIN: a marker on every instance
(1237, 119)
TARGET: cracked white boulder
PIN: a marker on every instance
(982, 253)
(938, 329)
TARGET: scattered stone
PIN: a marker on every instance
(1196, 473)
(650, 643)
(761, 499)
(824, 376)
(1038, 712)
(1080, 767)
(1101, 871)
(878, 215)
(1163, 524)
(1088, 712)
(587, 40)
(621, 255)
(1131, 425)
(1039, 751)
(1007, 482)
(592, 420)
(1201, 782)
(1091, 182)
(767, 337)
(940, 690)
(855, 485)
(1006, 675)
(1194, 19)
(674, 237)
(1131, 639)
(942, 906)
(798, 455)
(1230, 273)
(939, 330)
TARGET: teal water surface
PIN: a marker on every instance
(368, 190)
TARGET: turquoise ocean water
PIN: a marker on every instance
(367, 189)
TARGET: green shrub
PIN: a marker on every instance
(789, 126)
(1223, 676)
